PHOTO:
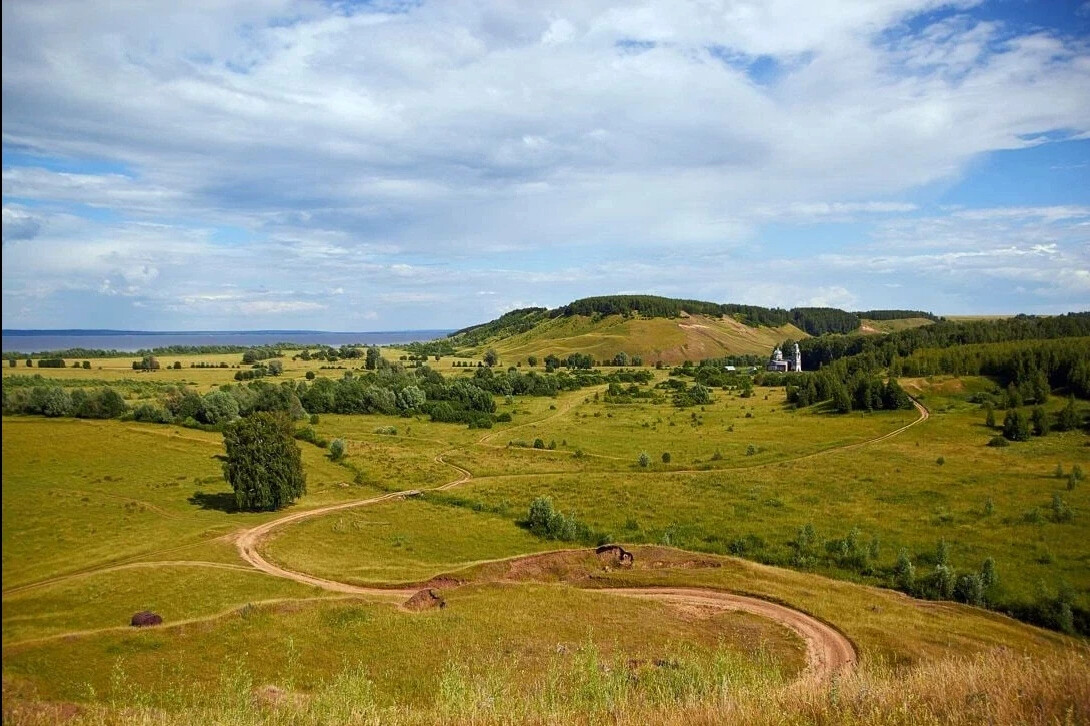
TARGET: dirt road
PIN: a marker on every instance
(828, 651)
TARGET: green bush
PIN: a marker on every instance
(337, 449)
(643, 460)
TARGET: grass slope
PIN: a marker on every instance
(671, 340)
(892, 326)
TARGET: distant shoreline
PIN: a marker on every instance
(33, 341)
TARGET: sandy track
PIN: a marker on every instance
(828, 651)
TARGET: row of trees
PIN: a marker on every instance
(389, 391)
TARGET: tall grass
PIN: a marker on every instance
(997, 687)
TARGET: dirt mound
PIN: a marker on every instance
(426, 599)
(144, 618)
(614, 555)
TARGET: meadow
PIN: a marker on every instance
(105, 518)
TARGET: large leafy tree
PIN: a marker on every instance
(264, 465)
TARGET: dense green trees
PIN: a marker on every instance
(264, 466)
(945, 348)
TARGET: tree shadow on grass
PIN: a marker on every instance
(218, 501)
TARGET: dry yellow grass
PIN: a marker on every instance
(997, 687)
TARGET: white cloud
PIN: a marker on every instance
(834, 297)
(413, 157)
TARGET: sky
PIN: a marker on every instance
(295, 164)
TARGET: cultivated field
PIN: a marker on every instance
(300, 620)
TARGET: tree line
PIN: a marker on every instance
(874, 352)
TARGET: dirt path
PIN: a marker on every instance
(248, 542)
(569, 402)
(828, 651)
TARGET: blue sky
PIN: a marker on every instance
(384, 165)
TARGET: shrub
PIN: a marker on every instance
(666, 457)
(539, 444)
(1016, 426)
(643, 460)
(989, 577)
(314, 419)
(970, 590)
(1069, 418)
(943, 582)
(386, 430)
(264, 465)
(1076, 471)
(717, 456)
(310, 375)
(940, 461)
(998, 442)
(336, 449)
(1041, 425)
(1058, 472)
(218, 407)
(751, 450)
(904, 572)
(942, 553)
(1060, 511)
(149, 413)
(552, 445)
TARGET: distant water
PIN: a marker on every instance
(32, 341)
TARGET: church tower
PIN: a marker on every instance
(798, 358)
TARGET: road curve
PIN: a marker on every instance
(828, 651)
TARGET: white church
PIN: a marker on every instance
(778, 363)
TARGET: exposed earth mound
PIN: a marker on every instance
(426, 599)
(614, 555)
(144, 618)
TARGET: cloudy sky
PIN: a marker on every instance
(391, 165)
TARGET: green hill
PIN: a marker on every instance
(663, 329)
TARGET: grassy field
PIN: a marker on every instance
(399, 542)
(105, 518)
(405, 656)
(892, 326)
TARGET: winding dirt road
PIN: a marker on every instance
(829, 651)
